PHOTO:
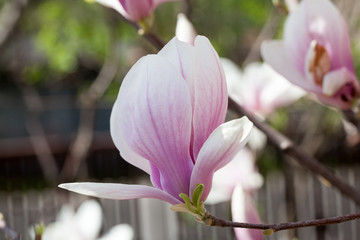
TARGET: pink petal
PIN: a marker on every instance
(137, 9)
(201, 68)
(155, 120)
(181, 56)
(243, 210)
(340, 88)
(218, 150)
(209, 93)
(127, 154)
(318, 20)
(275, 54)
(118, 191)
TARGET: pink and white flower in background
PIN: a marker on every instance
(258, 88)
(85, 224)
(238, 181)
(133, 10)
(168, 120)
(315, 53)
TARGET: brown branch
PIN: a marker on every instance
(270, 228)
(187, 8)
(9, 15)
(150, 36)
(304, 159)
(84, 138)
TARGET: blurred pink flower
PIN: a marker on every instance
(259, 88)
(237, 181)
(261, 91)
(133, 10)
(315, 53)
(185, 31)
(244, 210)
(167, 121)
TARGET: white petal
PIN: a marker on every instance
(118, 191)
(119, 232)
(88, 219)
(218, 150)
(115, 4)
(240, 171)
(184, 29)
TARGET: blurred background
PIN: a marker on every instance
(61, 66)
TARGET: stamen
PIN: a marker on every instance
(318, 62)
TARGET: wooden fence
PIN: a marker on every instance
(282, 198)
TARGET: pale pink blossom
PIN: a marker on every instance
(258, 88)
(315, 53)
(243, 209)
(238, 181)
(185, 31)
(133, 10)
(240, 171)
(168, 121)
(84, 224)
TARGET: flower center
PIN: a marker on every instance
(317, 62)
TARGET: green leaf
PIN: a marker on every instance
(188, 202)
(197, 195)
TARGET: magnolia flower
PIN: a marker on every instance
(259, 88)
(315, 53)
(168, 121)
(133, 10)
(85, 224)
(185, 31)
(237, 181)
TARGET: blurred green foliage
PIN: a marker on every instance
(65, 30)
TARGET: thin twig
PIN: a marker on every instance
(267, 32)
(37, 134)
(84, 138)
(150, 36)
(304, 159)
(282, 226)
(187, 8)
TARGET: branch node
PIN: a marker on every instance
(268, 232)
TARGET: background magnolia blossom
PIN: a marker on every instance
(260, 90)
(85, 224)
(315, 53)
(133, 10)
